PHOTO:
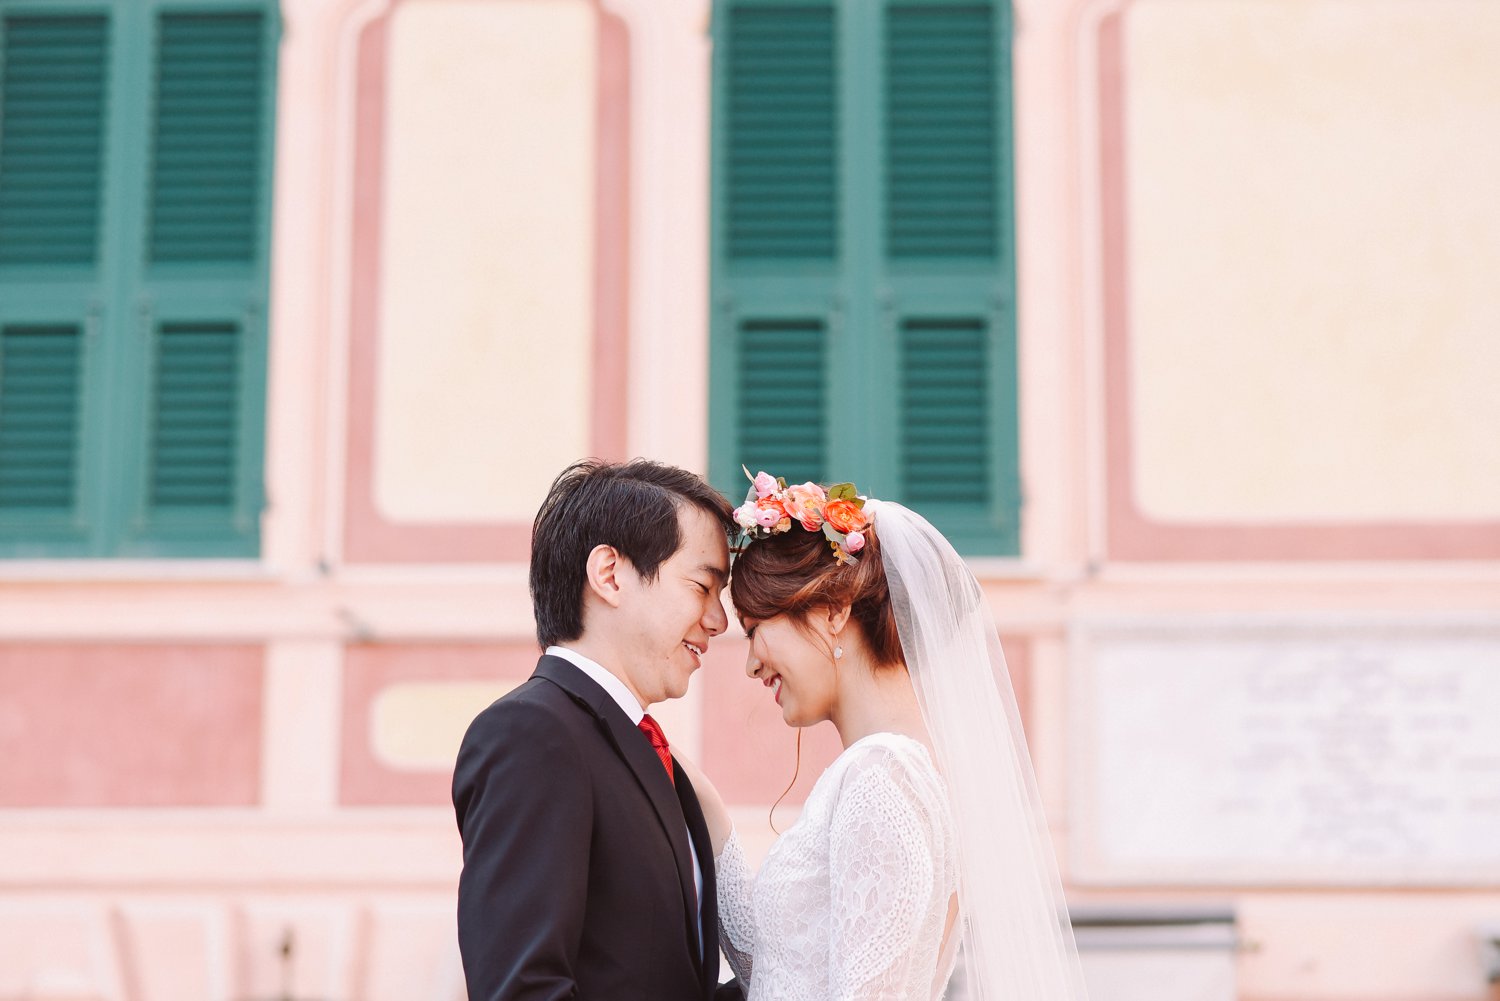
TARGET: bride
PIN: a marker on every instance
(923, 846)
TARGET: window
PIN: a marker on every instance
(863, 313)
(135, 158)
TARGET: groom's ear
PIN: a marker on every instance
(603, 574)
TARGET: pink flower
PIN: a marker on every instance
(854, 542)
(744, 515)
(765, 484)
(767, 517)
(804, 502)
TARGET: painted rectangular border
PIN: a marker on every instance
(368, 535)
(365, 779)
(1130, 534)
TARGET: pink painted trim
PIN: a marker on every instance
(369, 536)
(365, 780)
(1132, 535)
(612, 241)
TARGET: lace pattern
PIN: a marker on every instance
(736, 915)
(853, 899)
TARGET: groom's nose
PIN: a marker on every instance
(715, 620)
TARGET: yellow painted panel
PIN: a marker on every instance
(418, 725)
(486, 297)
(1314, 243)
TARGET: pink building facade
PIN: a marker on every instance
(1253, 621)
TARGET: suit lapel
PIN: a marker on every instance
(633, 746)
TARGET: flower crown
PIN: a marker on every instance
(771, 507)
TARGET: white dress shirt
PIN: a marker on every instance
(606, 680)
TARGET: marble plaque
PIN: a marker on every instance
(1287, 752)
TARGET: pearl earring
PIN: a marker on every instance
(838, 652)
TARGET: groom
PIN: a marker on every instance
(588, 871)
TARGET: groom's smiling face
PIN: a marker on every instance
(666, 623)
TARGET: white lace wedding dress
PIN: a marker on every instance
(853, 900)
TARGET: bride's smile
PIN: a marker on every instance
(794, 660)
(773, 682)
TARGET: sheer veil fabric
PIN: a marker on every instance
(1016, 942)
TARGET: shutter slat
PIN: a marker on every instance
(945, 444)
(781, 115)
(51, 137)
(941, 132)
(40, 373)
(194, 441)
(207, 148)
(781, 373)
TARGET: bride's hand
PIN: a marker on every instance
(714, 811)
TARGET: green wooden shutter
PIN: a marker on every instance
(948, 269)
(135, 162)
(53, 115)
(776, 239)
(202, 413)
(40, 375)
(195, 436)
(208, 142)
(51, 138)
(940, 131)
(863, 277)
(781, 387)
(945, 440)
(781, 127)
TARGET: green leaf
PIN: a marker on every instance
(841, 491)
(832, 534)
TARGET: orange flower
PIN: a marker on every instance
(846, 516)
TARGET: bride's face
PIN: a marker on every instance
(796, 666)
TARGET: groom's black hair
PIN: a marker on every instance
(631, 506)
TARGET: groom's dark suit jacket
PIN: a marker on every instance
(577, 880)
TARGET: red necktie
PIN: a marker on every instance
(653, 733)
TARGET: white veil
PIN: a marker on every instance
(1016, 939)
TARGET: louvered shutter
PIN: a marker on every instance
(781, 150)
(948, 268)
(209, 138)
(133, 276)
(201, 295)
(51, 135)
(945, 437)
(194, 431)
(863, 318)
(53, 113)
(942, 177)
(51, 138)
(776, 239)
(40, 382)
(782, 377)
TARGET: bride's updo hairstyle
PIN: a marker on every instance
(795, 574)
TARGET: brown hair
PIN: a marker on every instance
(795, 574)
(631, 506)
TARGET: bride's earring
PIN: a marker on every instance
(838, 651)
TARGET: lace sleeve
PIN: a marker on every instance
(882, 854)
(736, 917)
